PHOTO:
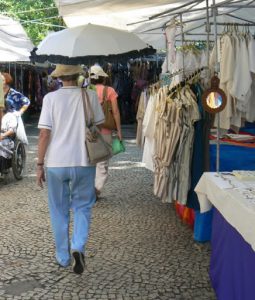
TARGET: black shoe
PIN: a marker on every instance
(78, 262)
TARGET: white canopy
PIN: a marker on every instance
(14, 42)
(120, 13)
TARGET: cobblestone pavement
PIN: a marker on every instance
(138, 248)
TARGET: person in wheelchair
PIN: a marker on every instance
(16, 102)
(7, 135)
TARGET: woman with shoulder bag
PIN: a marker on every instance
(108, 99)
(70, 175)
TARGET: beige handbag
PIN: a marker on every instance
(97, 149)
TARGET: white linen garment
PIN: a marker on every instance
(148, 133)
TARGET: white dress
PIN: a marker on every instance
(148, 133)
(227, 66)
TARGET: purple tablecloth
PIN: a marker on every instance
(232, 267)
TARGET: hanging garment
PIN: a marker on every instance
(242, 75)
(170, 37)
(236, 65)
(139, 118)
(191, 115)
(251, 51)
(250, 111)
(148, 133)
(200, 157)
(227, 67)
(170, 126)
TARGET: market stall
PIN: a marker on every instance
(233, 244)
(165, 24)
(15, 47)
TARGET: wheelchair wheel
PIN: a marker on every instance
(18, 160)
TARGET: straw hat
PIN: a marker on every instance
(96, 71)
(65, 70)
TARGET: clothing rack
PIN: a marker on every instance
(184, 82)
(234, 24)
(193, 41)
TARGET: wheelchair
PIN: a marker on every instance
(17, 162)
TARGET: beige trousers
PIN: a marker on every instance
(102, 167)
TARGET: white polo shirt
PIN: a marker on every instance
(63, 114)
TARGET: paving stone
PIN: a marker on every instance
(138, 249)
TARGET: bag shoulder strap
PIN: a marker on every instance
(105, 93)
(87, 107)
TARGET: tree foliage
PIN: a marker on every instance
(38, 11)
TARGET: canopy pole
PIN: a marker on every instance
(182, 39)
(167, 61)
(173, 9)
(15, 75)
(208, 30)
(214, 8)
(21, 78)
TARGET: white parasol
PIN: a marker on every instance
(89, 43)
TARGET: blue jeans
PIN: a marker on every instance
(70, 187)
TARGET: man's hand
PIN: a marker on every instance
(40, 176)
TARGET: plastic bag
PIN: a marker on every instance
(117, 146)
(21, 133)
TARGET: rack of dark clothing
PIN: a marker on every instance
(129, 79)
(28, 80)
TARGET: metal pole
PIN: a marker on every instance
(208, 30)
(174, 9)
(221, 3)
(182, 39)
(237, 6)
(167, 60)
(216, 70)
(21, 78)
(15, 75)
(239, 18)
(188, 11)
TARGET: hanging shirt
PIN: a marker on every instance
(227, 69)
(15, 100)
(242, 76)
(251, 50)
(148, 132)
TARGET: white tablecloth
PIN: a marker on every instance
(233, 198)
